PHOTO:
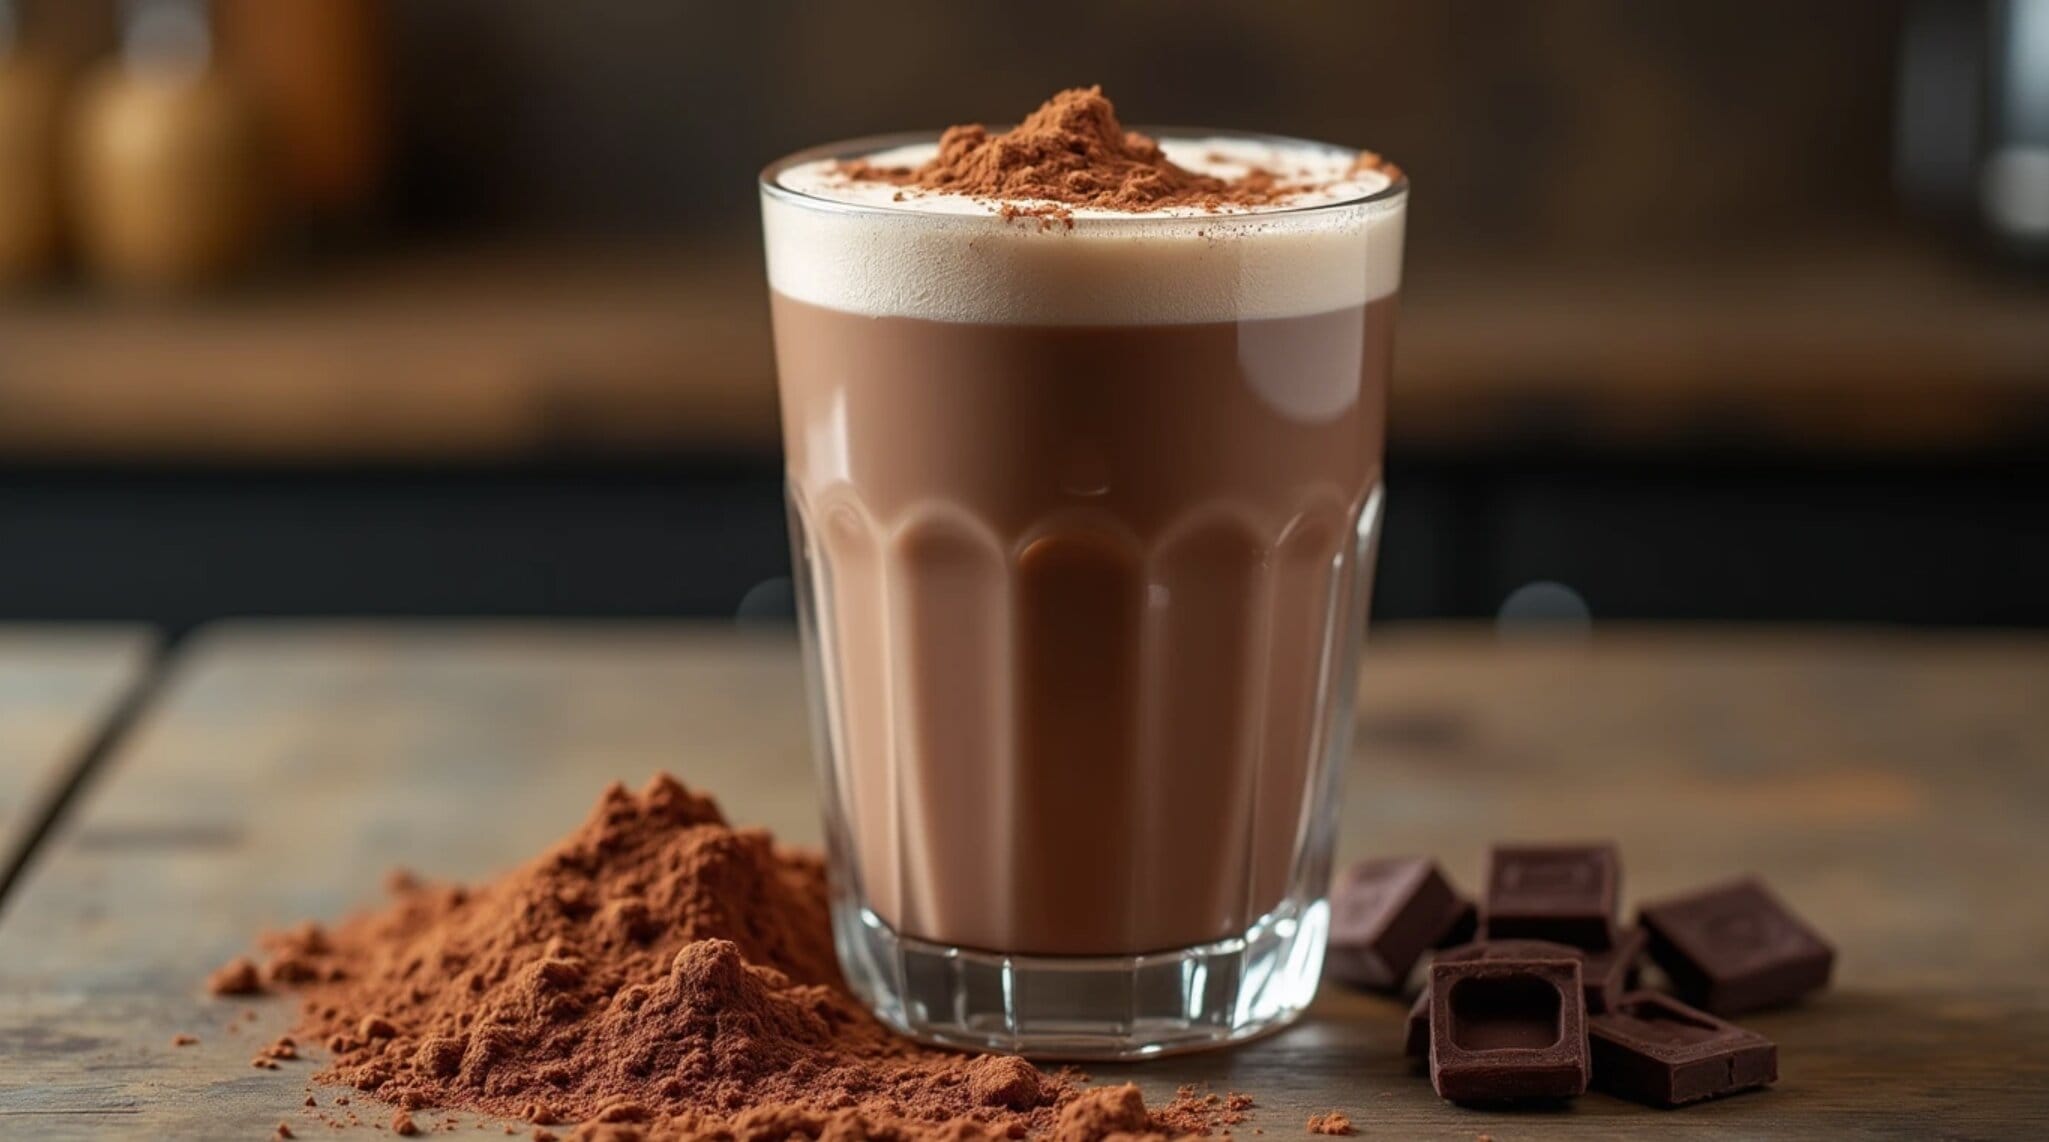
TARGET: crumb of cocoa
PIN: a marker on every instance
(1369, 162)
(284, 1130)
(181, 1039)
(1102, 1112)
(402, 1123)
(311, 1101)
(1194, 1111)
(1004, 1081)
(264, 1062)
(541, 1135)
(236, 977)
(1335, 1122)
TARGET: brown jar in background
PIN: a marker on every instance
(168, 170)
(318, 69)
(31, 186)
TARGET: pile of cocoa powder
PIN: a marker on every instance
(1071, 152)
(656, 975)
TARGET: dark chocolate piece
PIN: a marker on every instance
(1416, 1044)
(1507, 1030)
(1562, 893)
(1465, 925)
(1610, 973)
(1603, 975)
(1734, 947)
(1416, 1040)
(1654, 1049)
(1508, 950)
(1384, 914)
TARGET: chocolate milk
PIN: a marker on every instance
(1084, 588)
(1085, 521)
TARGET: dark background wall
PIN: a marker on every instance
(1675, 335)
(1578, 126)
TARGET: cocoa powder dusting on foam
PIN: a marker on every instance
(1071, 152)
(658, 975)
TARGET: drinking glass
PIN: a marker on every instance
(1084, 516)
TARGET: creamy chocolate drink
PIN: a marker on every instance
(1085, 480)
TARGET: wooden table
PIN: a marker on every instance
(1892, 785)
(58, 685)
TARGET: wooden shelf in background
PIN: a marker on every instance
(519, 355)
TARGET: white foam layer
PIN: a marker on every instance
(946, 257)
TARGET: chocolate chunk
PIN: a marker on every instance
(1654, 1049)
(1416, 1043)
(1509, 950)
(1734, 947)
(1384, 915)
(1464, 926)
(1416, 1038)
(1505, 1030)
(1609, 973)
(1562, 893)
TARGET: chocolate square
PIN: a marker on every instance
(1465, 925)
(1654, 1049)
(1610, 973)
(1562, 893)
(1734, 947)
(1384, 914)
(1507, 1030)
(1416, 1035)
(1416, 1039)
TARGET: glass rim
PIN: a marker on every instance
(1396, 189)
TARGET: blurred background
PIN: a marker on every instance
(1715, 310)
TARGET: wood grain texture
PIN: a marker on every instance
(56, 685)
(1890, 785)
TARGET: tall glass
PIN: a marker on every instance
(1084, 520)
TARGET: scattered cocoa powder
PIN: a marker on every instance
(1117, 1111)
(657, 975)
(236, 977)
(1336, 1122)
(183, 1040)
(1193, 1111)
(1071, 152)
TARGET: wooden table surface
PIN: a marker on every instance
(57, 686)
(1894, 786)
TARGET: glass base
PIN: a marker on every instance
(1087, 1007)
